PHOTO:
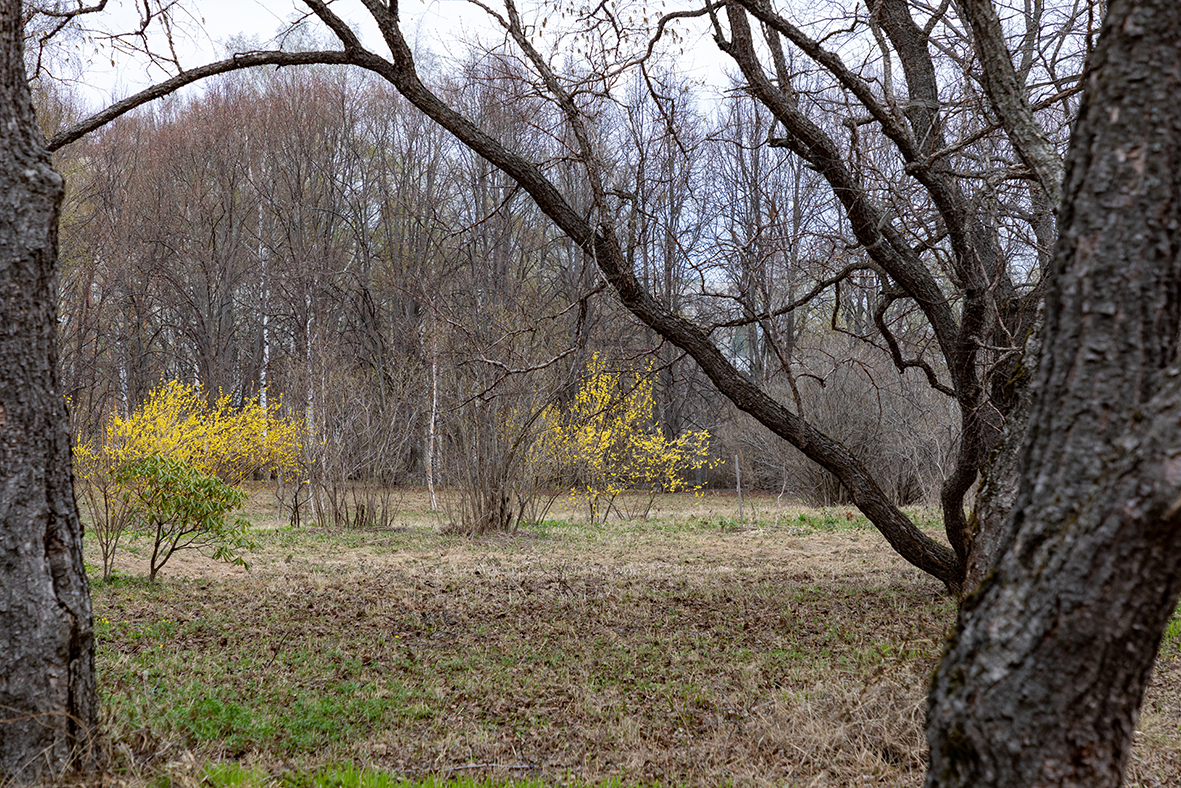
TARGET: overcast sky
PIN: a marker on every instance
(206, 25)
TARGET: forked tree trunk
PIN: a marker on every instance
(47, 691)
(1043, 680)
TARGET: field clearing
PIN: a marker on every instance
(687, 649)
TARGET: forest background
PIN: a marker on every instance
(305, 237)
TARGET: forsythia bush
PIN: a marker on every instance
(609, 442)
(175, 424)
(232, 444)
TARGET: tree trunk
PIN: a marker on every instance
(48, 701)
(1000, 478)
(1043, 680)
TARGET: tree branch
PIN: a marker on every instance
(161, 89)
(1009, 98)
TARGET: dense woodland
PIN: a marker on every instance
(306, 235)
(418, 255)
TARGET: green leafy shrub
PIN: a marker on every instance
(177, 507)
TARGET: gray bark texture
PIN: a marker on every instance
(48, 700)
(1001, 474)
(1043, 680)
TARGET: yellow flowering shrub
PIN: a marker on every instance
(230, 443)
(176, 423)
(609, 442)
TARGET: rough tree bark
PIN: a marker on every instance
(48, 700)
(1043, 680)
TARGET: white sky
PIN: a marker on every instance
(205, 26)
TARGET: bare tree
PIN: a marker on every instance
(48, 698)
(918, 170)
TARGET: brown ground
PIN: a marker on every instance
(686, 650)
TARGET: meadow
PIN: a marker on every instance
(688, 649)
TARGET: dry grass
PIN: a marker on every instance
(680, 651)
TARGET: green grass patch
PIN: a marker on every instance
(1171, 638)
(233, 775)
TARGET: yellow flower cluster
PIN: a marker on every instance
(608, 440)
(232, 444)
